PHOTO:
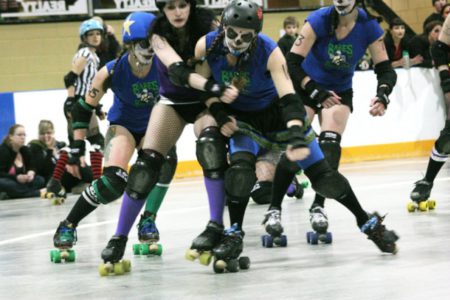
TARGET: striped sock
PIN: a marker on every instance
(96, 163)
(60, 167)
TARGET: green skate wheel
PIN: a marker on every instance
(205, 258)
(145, 249)
(304, 184)
(136, 249)
(156, 249)
(119, 268)
(57, 256)
(103, 270)
(71, 257)
(52, 254)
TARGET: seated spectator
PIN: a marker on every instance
(109, 48)
(445, 11)
(436, 15)
(18, 177)
(420, 44)
(290, 26)
(397, 43)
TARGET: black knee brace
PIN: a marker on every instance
(110, 186)
(169, 166)
(262, 192)
(442, 144)
(326, 181)
(240, 176)
(97, 139)
(330, 143)
(211, 153)
(290, 166)
(144, 174)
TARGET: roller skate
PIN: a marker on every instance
(148, 236)
(319, 223)
(272, 224)
(55, 192)
(203, 245)
(297, 189)
(112, 257)
(420, 195)
(64, 239)
(226, 254)
(377, 232)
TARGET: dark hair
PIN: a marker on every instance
(430, 26)
(443, 9)
(396, 22)
(290, 20)
(11, 131)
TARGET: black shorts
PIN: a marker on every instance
(189, 112)
(347, 99)
(136, 136)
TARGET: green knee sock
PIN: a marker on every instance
(155, 198)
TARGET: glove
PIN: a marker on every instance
(297, 137)
(214, 88)
(316, 93)
(217, 110)
(382, 95)
(77, 150)
(445, 81)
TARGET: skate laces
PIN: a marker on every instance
(116, 241)
(233, 231)
(147, 225)
(67, 233)
(373, 224)
(272, 217)
(318, 211)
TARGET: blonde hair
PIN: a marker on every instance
(45, 126)
(11, 131)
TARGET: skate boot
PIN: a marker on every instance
(148, 236)
(112, 257)
(297, 189)
(319, 223)
(226, 254)
(55, 192)
(377, 232)
(64, 239)
(420, 195)
(203, 245)
(272, 224)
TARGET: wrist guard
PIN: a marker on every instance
(445, 81)
(382, 95)
(316, 93)
(217, 110)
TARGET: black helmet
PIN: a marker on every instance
(243, 13)
(160, 3)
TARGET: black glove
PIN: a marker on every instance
(316, 93)
(445, 81)
(77, 150)
(214, 88)
(217, 110)
(297, 137)
(382, 95)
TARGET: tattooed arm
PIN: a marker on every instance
(277, 67)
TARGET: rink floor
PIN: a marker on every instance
(350, 268)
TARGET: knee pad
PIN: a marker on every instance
(144, 174)
(97, 139)
(169, 166)
(327, 182)
(262, 192)
(240, 176)
(211, 153)
(290, 166)
(110, 186)
(330, 143)
(442, 144)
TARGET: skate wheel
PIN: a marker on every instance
(411, 207)
(218, 266)
(431, 204)
(233, 266)
(423, 206)
(205, 258)
(304, 184)
(329, 238)
(244, 262)
(136, 249)
(267, 241)
(126, 265)
(299, 193)
(156, 249)
(119, 268)
(191, 254)
(145, 250)
(281, 241)
(312, 238)
(56, 256)
(103, 270)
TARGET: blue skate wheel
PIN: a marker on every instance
(308, 237)
(329, 238)
(267, 241)
(314, 238)
(283, 241)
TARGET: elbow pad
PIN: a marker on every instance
(439, 52)
(70, 79)
(294, 62)
(179, 74)
(292, 108)
(385, 75)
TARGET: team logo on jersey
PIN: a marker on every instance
(239, 79)
(145, 93)
(340, 55)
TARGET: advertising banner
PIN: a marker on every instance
(38, 8)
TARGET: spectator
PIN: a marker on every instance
(445, 11)
(436, 16)
(420, 44)
(18, 178)
(109, 48)
(290, 26)
(397, 43)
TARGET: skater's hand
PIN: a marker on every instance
(229, 128)
(332, 100)
(30, 176)
(297, 148)
(377, 109)
(229, 94)
(22, 178)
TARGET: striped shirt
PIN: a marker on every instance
(84, 81)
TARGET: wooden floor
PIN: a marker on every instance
(350, 268)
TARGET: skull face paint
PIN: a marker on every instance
(238, 40)
(344, 7)
(143, 52)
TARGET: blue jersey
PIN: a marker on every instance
(259, 91)
(133, 97)
(331, 62)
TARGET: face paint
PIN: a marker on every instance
(238, 43)
(344, 7)
(143, 52)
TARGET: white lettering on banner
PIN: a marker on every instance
(124, 4)
(48, 8)
(43, 6)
